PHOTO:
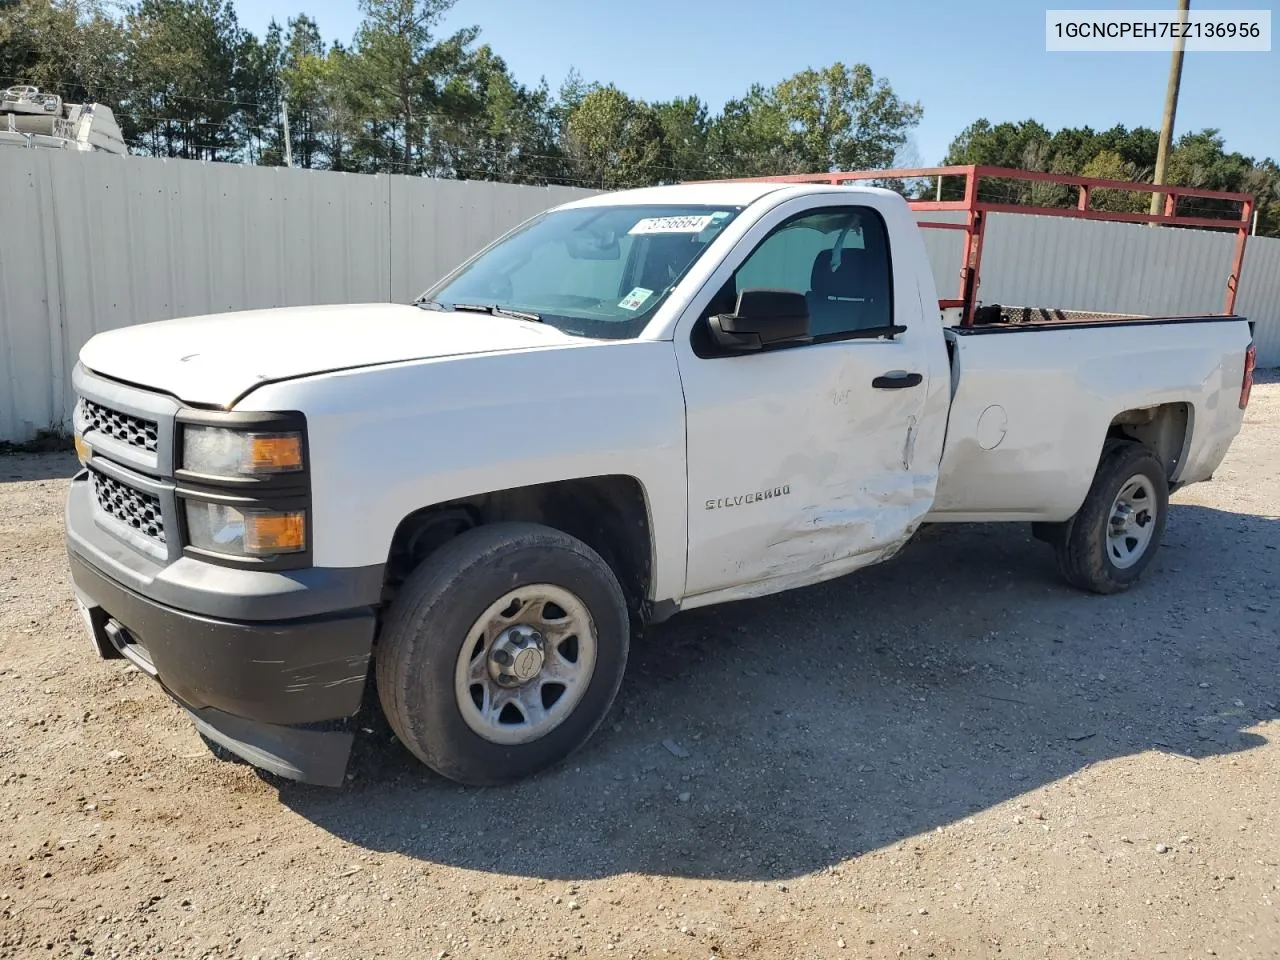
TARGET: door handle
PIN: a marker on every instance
(896, 380)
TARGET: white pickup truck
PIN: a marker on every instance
(633, 404)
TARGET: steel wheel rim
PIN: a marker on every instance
(1132, 521)
(499, 695)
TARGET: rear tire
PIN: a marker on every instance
(1114, 535)
(485, 640)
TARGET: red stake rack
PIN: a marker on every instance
(976, 210)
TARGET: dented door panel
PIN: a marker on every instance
(799, 469)
(796, 463)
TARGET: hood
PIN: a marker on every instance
(214, 360)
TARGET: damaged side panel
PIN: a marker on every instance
(818, 458)
(1033, 409)
(832, 539)
(799, 470)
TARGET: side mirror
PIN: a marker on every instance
(763, 319)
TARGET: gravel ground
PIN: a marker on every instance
(949, 755)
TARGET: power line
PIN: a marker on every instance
(155, 151)
(735, 158)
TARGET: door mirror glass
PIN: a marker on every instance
(763, 319)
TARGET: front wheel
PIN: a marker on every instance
(1114, 535)
(503, 652)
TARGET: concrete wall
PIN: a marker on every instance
(90, 242)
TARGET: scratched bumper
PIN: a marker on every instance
(280, 692)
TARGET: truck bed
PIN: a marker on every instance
(1027, 411)
(1004, 319)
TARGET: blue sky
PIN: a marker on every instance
(960, 60)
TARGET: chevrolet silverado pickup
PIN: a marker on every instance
(461, 509)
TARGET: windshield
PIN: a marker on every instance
(591, 271)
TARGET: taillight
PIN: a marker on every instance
(1246, 386)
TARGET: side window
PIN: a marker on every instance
(838, 258)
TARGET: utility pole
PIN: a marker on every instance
(284, 121)
(1170, 108)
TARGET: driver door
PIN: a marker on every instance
(802, 461)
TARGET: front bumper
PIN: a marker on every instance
(277, 684)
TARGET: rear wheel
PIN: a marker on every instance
(503, 652)
(1114, 535)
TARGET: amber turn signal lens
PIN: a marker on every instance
(272, 452)
(223, 452)
(83, 450)
(266, 533)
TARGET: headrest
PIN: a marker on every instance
(845, 280)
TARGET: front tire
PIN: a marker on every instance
(502, 653)
(1108, 543)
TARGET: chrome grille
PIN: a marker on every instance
(135, 509)
(135, 431)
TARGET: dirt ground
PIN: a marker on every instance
(950, 755)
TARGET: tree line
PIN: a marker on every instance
(1198, 159)
(186, 80)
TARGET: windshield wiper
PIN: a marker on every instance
(496, 311)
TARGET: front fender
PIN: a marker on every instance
(386, 441)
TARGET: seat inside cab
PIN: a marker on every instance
(839, 261)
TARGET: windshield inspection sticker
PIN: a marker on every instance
(714, 226)
(671, 224)
(634, 299)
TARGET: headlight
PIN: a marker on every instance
(219, 452)
(245, 532)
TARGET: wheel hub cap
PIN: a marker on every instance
(1132, 524)
(1123, 518)
(525, 664)
(517, 656)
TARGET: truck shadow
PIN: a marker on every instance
(1267, 375)
(37, 466)
(838, 719)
